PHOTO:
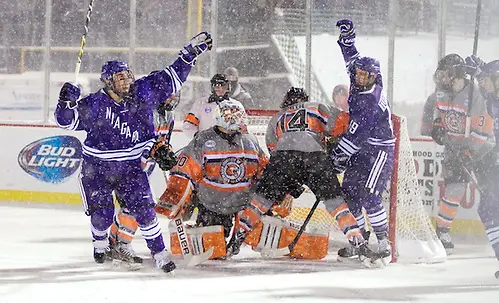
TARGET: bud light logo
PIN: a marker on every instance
(52, 159)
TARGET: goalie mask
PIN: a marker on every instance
(366, 71)
(220, 88)
(231, 115)
(293, 96)
(488, 80)
(450, 68)
(117, 78)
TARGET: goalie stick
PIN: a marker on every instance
(189, 259)
(83, 40)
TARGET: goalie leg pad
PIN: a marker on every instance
(124, 227)
(347, 222)
(273, 233)
(201, 239)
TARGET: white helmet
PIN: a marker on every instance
(231, 115)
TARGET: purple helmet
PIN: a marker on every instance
(112, 67)
(490, 69)
(368, 64)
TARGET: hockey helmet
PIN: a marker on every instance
(449, 68)
(220, 88)
(231, 115)
(117, 77)
(488, 80)
(366, 70)
(293, 96)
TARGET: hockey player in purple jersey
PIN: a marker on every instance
(365, 152)
(118, 120)
(487, 169)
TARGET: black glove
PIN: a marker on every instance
(201, 43)
(340, 160)
(473, 65)
(438, 132)
(68, 95)
(163, 154)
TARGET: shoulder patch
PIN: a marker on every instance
(207, 110)
(440, 94)
(210, 143)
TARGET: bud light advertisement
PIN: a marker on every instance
(52, 159)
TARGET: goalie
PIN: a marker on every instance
(219, 164)
(299, 157)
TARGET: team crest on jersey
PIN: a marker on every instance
(232, 170)
(210, 143)
(454, 122)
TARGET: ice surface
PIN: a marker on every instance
(46, 256)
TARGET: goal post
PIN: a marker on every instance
(411, 232)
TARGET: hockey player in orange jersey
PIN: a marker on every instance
(296, 135)
(219, 164)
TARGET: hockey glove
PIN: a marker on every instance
(473, 65)
(198, 45)
(438, 132)
(347, 32)
(163, 154)
(68, 95)
(340, 160)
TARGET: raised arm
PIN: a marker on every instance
(346, 41)
(160, 85)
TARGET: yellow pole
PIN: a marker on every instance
(199, 25)
(21, 67)
(200, 15)
(189, 20)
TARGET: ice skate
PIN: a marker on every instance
(101, 251)
(351, 250)
(444, 237)
(234, 245)
(164, 262)
(384, 249)
(124, 252)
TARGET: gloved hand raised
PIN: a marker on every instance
(347, 32)
(68, 95)
(197, 45)
(473, 65)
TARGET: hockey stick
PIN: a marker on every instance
(472, 80)
(273, 253)
(83, 40)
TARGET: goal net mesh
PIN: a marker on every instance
(411, 230)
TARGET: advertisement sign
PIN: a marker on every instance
(428, 158)
(53, 159)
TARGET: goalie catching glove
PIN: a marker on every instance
(163, 154)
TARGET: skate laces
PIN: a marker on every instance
(126, 249)
(356, 240)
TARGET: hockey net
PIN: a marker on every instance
(411, 232)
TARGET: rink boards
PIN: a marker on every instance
(37, 169)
